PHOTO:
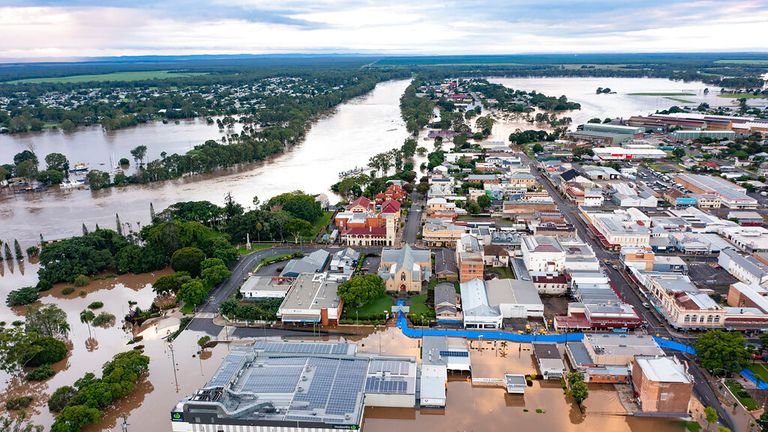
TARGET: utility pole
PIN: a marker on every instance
(173, 360)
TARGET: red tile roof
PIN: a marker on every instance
(370, 231)
(390, 206)
(361, 201)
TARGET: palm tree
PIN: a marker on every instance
(86, 316)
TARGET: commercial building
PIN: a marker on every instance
(662, 385)
(312, 298)
(748, 239)
(514, 298)
(478, 312)
(439, 355)
(682, 135)
(312, 263)
(579, 256)
(618, 229)
(744, 268)
(256, 287)
(442, 233)
(405, 269)
(607, 357)
(344, 261)
(731, 195)
(469, 258)
(626, 196)
(296, 386)
(549, 360)
(542, 255)
(623, 153)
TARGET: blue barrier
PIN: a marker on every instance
(760, 384)
(402, 324)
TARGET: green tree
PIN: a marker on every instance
(86, 317)
(577, 387)
(171, 283)
(188, 260)
(139, 153)
(97, 179)
(24, 156)
(50, 177)
(57, 162)
(710, 415)
(473, 207)
(722, 353)
(215, 275)
(484, 201)
(537, 148)
(298, 204)
(203, 341)
(48, 320)
(74, 418)
(60, 398)
(26, 169)
(763, 421)
(18, 424)
(361, 289)
(678, 152)
(22, 296)
(193, 292)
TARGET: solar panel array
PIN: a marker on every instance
(390, 366)
(281, 379)
(347, 386)
(301, 348)
(454, 354)
(322, 380)
(379, 385)
(228, 370)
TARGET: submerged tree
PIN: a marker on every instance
(86, 317)
(8, 255)
(17, 249)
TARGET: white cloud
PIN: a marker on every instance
(392, 27)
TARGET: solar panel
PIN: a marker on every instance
(454, 353)
(379, 385)
(228, 370)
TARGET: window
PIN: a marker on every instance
(402, 276)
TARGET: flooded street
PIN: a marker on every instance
(342, 140)
(622, 103)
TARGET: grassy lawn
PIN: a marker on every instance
(662, 94)
(741, 95)
(241, 250)
(418, 305)
(760, 370)
(503, 272)
(321, 223)
(373, 309)
(115, 76)
(744, 397)
(276, 258)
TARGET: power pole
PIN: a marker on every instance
(173, 360)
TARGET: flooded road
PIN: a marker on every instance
(342, 140)
(622, 103)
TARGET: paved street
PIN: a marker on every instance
(413, 221)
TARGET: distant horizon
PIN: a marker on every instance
(730, 55)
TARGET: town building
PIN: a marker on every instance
(445, 265)
(477, 311)
(662, 384)
(744, 268)
(296, 386)
(439, 355)
(469, 258)
(619, 229)
(260, 287)
(312, 263)
(730, 194)
(748, 239)
(344, 261)
(549, 360)
(446, 303)
(514, 298)
(405, 269)
(442, 234)
(495, 255)
(312, 298)
(542, 255)
(608, 357)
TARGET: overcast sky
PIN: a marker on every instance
(38, 29)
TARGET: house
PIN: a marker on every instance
(393, 192)
(446, 302)
(391, 208)
(495, 255)
(662, 385)
(445, 265)
(405, 269)
(549, 360)
(312, 263)
(469, 258)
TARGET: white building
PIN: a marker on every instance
(749, 239)
(626, 196)
(515, 298)
(478, 312)
(579, 256)
(744, 268)
(542, 255)
(619, 228)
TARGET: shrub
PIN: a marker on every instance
(49, 350)
(60, 398)
(33, 251)
(81, 280)
(203, 341)
(104, 320)
(96, 305)
(82, 293)
(18, 403)
(41, 374)
(22, 296)
(68, 290)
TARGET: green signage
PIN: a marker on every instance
(177, 417)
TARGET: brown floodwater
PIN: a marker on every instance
(342, 140)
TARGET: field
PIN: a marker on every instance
(663, 94)
(741, 95)
(744, 62)
(115, 76)
(371, 310)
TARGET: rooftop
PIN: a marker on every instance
(311, 291)
(664, 369)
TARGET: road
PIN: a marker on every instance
(413, 221)
(630, 293)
